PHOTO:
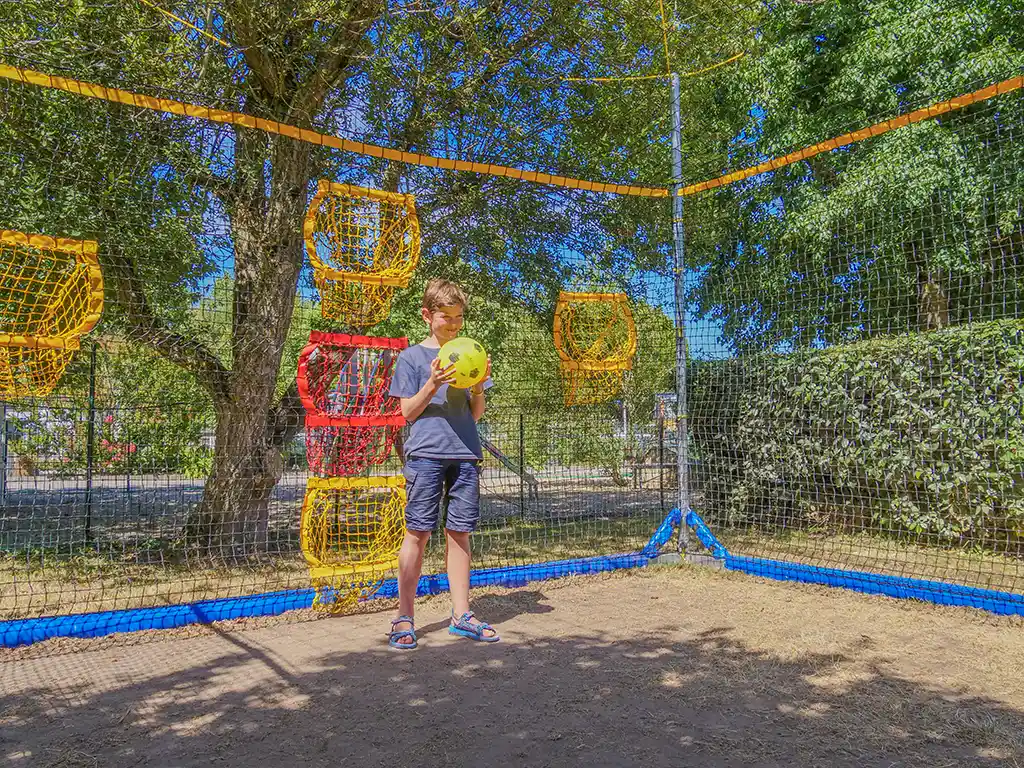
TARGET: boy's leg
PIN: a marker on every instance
(410, 565)
(463, 517)
(457, 561)
(424, 484)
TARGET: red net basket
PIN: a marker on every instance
(351, 420)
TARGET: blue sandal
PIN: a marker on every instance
(394, 636)
(464, 627)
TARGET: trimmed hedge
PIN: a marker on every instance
(917, 435)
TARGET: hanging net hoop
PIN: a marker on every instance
(351, 420)
(344, 380)
(51, 294)
(350, 533)
(363, 244)
(595, 338)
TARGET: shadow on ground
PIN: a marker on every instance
(672, 696)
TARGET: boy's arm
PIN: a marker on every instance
(477, 403)
(413, 407)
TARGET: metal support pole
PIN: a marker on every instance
(679, 270)
(661, 462)
(3, 454)
(128, 449)
(522, 466)
(90, 438)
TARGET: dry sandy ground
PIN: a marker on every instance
(669, 667)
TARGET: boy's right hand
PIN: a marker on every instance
(440, 376)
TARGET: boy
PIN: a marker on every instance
(443, 456)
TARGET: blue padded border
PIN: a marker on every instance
(25, 631)
(904, 587)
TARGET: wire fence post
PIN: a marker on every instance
(679, 272)
(90, 437)
(522, 465)
(3, 454)
(128, 459)
(661, 462)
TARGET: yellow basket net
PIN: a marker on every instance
(363, 243)
(51, 294)
(350, 533)
(595, 337)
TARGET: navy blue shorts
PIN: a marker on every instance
(428, 480)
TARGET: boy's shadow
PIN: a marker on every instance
(495, 609)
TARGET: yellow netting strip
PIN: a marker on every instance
(169, 106)
(595, 338)
(188, 24)
(350, 533)
(51, 294)
(362, 243)
(920, 115)
(588, 387)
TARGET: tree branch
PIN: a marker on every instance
(191, 355)
(258, 61)
(330, 66)
(419, 123)
(222, 187)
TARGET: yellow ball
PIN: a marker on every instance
(469, 359)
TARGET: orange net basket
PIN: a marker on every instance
(51, 294)
(595, 338)
(362, 243)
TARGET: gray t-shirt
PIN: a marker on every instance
(445, 429)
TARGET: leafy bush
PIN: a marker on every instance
(149, 418)
(916, 435)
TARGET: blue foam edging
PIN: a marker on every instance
(904, 587)
(26, 631)
(940, 592)
(706, 537)
(517, 576)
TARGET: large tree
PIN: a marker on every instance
(174, 202)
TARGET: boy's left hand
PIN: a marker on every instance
(478, 389)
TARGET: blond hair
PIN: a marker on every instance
(442, 293)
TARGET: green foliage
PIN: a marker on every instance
(76, 167)
(916, 435)
(149, 418)
(838, 247)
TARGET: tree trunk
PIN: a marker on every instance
(232, 518)
(932, 305)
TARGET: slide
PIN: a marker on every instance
(511, 466)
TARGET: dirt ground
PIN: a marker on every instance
(667, 667)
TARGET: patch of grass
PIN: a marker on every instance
(47, 583)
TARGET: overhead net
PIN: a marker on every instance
(596, 340)
(363, 243)
(351, 421)
(351, 531)
(51, 293)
